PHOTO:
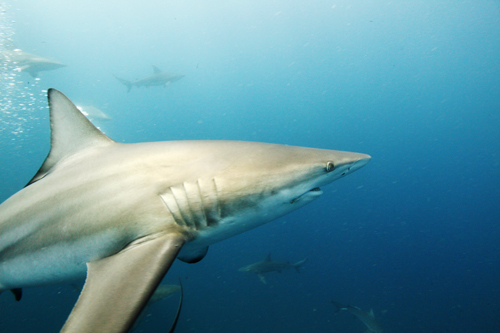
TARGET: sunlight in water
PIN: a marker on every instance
(19, 94)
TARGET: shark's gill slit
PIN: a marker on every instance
(192, 204)
(169, 201)
(212, 208)
(203, 203)
(182, 201)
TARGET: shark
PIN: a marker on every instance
(267, 265)
(27, 62)
(159, 78)
(163, 291)
(119, 214)
(368, 318)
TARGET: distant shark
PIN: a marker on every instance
(267, 265)
(162, 291)
(120, 214)
(368, 318)
(159, 78)
(29, 63)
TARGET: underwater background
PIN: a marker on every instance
(414, 235)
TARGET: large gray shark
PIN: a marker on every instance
(159, 78)
(267, 266)
(29, 63)
(120, 214)
(368, 318)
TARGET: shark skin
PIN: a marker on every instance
(29, 63)
(159, 78)
(267, 265)
(93, 113)
(368, 318)
(162, 292)
(119, 214)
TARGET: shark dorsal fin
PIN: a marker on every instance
(268, 257)
(156, 70)
(371, 314)
(70, 130)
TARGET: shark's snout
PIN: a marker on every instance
(364, 159)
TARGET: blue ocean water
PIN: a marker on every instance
(414, 235)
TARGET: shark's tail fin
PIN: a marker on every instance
(125, 82)
(339, 306)
(298, 264)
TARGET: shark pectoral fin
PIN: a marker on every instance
(140, 317)
(31, 71)
(18, 293)
(339, 306)
(193, 257)
(298, 264)
(262, 278)
(118, 287)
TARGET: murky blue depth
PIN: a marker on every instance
(414, 235)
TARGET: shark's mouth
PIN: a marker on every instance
(311, 194)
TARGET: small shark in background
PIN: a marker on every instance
(159, 78)
(368, 318)
(163, 291)
(267, 265)
(29, 63)
(118, 215)
(93, 113)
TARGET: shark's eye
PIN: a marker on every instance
(329, 166)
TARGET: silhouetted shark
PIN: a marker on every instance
(267, 265)
(368, 318)
(158, 78)
(29, 63)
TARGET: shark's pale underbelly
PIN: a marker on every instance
(59, 263)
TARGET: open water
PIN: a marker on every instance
(414, 235)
